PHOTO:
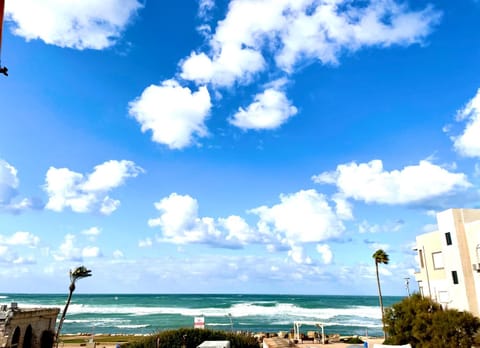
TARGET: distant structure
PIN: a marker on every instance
(449, 260)
(27, 327)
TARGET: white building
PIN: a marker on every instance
(449, 260)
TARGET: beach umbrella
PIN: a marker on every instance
(3, 69)
(77, 273)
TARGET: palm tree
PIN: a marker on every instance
(380, 256)
(77, 273)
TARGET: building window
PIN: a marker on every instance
(420, 256)
(454, 277)
(437, 258)
(448, 238)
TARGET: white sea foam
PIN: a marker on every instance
(133, 326)
(279, 311)
(94, 321)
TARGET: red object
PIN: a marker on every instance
(2, 10)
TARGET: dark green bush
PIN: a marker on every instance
(191, 338)
(423, 323)
(352, 340)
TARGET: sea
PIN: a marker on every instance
(151, 313)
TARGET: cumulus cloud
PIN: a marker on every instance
(20, 238)
(180, 224)
(292, 30)
(269, 110)
(302, 217)
(297, 254)
(270, 37)
(326, 253)
(92, 232)
(238, 230)
(332, 27)
(9, 244)
(87, 193)
(70, 250)
(369, 182)
(9, 184)
(91, 252)
(468, 143)
(175, 115)
(67, 251)
(78, 24)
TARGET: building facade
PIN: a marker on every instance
(449, 263)
(27, 327)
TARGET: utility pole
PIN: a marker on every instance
(407, 285)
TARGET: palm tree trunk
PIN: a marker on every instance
(60, 324)
(380, 300)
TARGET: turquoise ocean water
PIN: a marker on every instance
(145, 314)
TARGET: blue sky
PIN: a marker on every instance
(232, 146)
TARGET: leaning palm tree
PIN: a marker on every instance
(77, 273)
(380, 256)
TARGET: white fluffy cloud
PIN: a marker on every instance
(297, 254)
(180, 223)
(468, 143)
(334, 26)
(301, 217)
(174, 114)
(91, 252)
(269, 110)
(292, 30)
(92, 232)
(69, 250)
(326, 253)
(9, 244)
(20, 238)
(238, 230)
(9, 183)
(270, 36)
(78, 24)
(369, 182)
(68, 189)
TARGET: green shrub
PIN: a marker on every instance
(423, 323)
(191, 338)
(352, 340)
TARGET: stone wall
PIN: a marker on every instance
(27, 327)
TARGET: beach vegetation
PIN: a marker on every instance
(191, 338)
(423, 322)
(352, 340)
(380, 257)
